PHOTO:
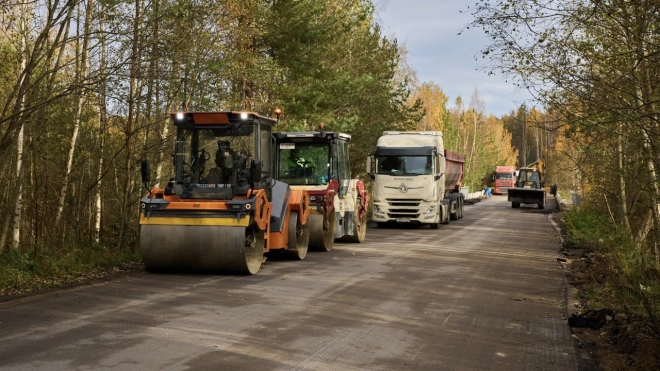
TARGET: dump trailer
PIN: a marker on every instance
(222, 210)
(318, 162)
(530, 186)
(416, 180)
(503, 179)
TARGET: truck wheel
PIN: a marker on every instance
(461, 208)
(454, 215)
(541, 206)
(434, 225)
(515, 205)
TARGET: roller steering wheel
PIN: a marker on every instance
(203, 155)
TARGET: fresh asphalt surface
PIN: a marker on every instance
(482, 293)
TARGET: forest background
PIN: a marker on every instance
(86, 88)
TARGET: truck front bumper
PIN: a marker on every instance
(405, 211)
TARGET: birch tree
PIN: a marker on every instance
(25, 16)
(81, 77)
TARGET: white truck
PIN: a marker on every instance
(416, 181)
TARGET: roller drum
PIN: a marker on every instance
(221, 249)
(321, 237)
(298, 237)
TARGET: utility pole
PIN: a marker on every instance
(523, 152)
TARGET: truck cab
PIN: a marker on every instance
(503, 179)
(411, 180)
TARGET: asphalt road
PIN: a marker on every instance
(483, 293)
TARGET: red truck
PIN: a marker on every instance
(504, 178)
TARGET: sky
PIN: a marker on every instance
(429, 30)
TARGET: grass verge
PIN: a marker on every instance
(625, 276)
(23, 273)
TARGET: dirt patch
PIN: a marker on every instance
(605, 338)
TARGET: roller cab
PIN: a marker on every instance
(222, 210)
(318, 163)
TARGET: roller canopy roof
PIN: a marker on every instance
(219, 118)
(306, 135)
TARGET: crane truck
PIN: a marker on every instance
(338, 203)
(221, 215)
(530, 186)
(503, 179)
(416, 180)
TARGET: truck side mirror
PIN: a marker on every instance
(370, 163)
(145, 171)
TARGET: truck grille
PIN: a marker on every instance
(403, 208)
(397, 202)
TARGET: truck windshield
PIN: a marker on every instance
(404, 165)
(504, 176)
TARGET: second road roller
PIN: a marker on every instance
(222, 211)
(318, 162)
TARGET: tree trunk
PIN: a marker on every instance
(18, 204)
(622, 181)
(129, 127)
(80, 97)
(102, 122)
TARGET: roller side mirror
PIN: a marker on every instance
(145, 170)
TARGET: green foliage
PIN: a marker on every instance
(629, 278)
(25, 272)
(586, 228)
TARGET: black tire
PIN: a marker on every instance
(454, 215)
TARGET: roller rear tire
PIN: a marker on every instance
(359, 226)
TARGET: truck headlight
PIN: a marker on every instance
(376, 208)
(430, 210)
